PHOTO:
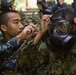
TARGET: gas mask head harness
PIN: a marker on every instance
(6, 5)
(61, 37)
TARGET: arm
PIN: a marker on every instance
(43, 28)
(15, 41)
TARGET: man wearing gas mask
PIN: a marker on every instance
(61, 29)
(61, 4)
(61, 43)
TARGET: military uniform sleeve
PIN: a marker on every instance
(10, 44)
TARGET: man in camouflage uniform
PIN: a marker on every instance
(62, 63)
(13, 34)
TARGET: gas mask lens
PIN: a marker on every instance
(63, 27)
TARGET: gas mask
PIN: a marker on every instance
(61, 37)
(6, 5)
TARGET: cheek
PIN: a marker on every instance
(13, 30)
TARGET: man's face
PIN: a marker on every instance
(14, 26)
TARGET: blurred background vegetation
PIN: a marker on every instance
(27, 4)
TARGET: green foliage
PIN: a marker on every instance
(26, 20)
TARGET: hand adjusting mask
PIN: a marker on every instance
(61, 38)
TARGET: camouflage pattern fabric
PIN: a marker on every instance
(38, 60)
(13, 43)
(63, 63)
(60, 63)
(31, 58)
(6, 50)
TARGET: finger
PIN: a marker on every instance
(32, 29)
(45, 18)
(34, 26)
(27, 30)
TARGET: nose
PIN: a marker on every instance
(21, 26)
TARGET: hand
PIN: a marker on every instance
(28, 32)
(45, 21)
(43, 28)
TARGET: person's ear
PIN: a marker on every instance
(3, 27)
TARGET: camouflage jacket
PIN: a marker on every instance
(6, 50)
(60, 63)
(8, 45)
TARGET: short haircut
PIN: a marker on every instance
(4, 17)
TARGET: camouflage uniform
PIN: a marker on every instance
(6, 50)
(60, 63)
(63, 63)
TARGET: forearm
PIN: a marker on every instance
(45, 21)
(38, 37)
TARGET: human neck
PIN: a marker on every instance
(6, 38)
